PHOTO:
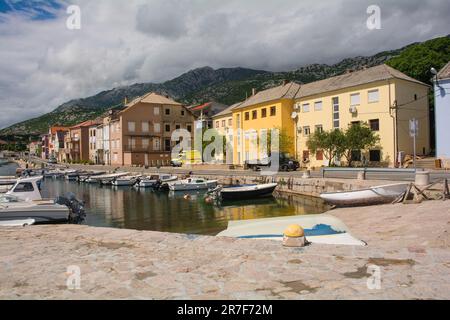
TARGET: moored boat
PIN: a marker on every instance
(155, 180)
(124, 181)
(369, 196)
(247, 191)
(192, 184)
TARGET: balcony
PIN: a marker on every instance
(141, 149)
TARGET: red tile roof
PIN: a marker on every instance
(200, 107)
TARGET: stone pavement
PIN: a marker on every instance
(408, 246)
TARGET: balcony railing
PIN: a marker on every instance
(140, 149)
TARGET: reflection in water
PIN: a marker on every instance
(145, 209)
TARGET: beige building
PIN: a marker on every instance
(381, 96)
(223, 124)
(141, 133)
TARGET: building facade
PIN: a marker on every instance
(141, 133)
(382, 97)
(442, 114)
(76, 142)
(223, 124)
(263, 111)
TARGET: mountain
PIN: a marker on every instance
(230, 85)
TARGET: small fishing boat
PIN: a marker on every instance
(71, 175)
(192, 184)
(124, 181)
(323, 229)
(247, 191)
(106, 178)
(370, 196)
(155, 180)
(24, 201)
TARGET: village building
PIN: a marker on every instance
(442, 114)
(381, 96)
(76, 142)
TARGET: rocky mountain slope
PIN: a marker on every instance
(230, 85)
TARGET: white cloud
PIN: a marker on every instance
(43, 64)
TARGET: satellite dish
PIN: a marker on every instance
(294, 115)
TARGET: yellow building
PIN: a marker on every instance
(265, 110)
(381, 96)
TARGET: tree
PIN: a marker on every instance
(285, 142)
(332, 143)
(358, 137)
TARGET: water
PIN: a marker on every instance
(125, 207)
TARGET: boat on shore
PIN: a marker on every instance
(250, 191)
(192, 184)
(24, 201)
(320, 229)
(155, 180)
(364, 197)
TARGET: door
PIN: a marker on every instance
(146, 159)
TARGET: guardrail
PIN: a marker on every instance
(369, 170)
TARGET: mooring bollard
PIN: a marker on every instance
(422, 178)
(294, 236)
(306, 174)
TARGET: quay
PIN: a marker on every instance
(412, 257)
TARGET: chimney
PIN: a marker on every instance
(253, 91)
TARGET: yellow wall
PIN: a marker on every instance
(282, 120)
(389, 91)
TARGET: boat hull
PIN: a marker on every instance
(248, 192)
(365, 197)
(40, 214)
(193, 186)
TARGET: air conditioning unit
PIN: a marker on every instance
(297, 106)
(299, 130)
(353, 109)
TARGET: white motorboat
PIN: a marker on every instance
(192, 184)
(373, 195)
(17, 223)
(323, 229)
(124, 181)
(155, 180)
(24, 201)
(71, 175)
(106, 178)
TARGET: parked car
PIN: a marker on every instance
(286, 163)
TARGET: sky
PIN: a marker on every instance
(48, 58)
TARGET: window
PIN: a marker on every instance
(115, 156)
(254, 114)
(182, 112)
(238, 121)
(305, 107)
(166, 144)
(156, 146)
(273, 111)
(356, 155)
(306, 131)
(167, 127)
(318, 106)
(356, 123)
(415, 97)
(189, 128)
(335, 102)
(157, 127)
(355, 99)
(263, 113)
(145, 127)
(156, 111)
(223, 123)
(247, 116)
(319, 128)
(319, 155)
(230, 122)
(305, 154)
(24, 187)
(177, 126)
(374, 124)
(373, 96)
(145, 143)
(167, 112)
(217, 124)
(375, 155)
(131, 126)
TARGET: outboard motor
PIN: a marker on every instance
(77, 213)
